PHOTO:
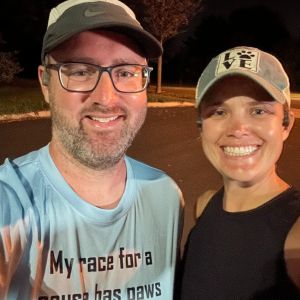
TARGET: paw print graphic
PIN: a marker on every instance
(245, 55)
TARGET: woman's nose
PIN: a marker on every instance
(237, 126)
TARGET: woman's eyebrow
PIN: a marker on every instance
(262, 102)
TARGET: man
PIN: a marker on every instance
(246, 242)
(80, 220)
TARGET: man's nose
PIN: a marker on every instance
(105, 92)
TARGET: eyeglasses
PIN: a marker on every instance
(84, 77)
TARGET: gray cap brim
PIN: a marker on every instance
(274, 92)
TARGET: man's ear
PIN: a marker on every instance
(288, 123)
(44, 79)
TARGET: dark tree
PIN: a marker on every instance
(165, 19)
(23, 24)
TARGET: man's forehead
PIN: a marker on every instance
(81, 42)
(101, 34)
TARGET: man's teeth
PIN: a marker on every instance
(104, 120)
(239, 151)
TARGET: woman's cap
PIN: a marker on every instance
(262, 67)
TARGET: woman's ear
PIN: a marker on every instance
(288, 123)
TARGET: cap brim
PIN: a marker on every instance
(149, 45)
(273, 91)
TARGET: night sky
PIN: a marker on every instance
(270, 25)
(288, 10)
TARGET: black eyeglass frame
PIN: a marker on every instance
(101, 69)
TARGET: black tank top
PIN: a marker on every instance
(240, 255)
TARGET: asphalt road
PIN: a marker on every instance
(169, 141)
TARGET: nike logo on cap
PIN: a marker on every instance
(90, 13)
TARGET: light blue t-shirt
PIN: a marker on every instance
(54, 245)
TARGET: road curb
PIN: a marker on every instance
(46, 114)
(25, 116)
(171, 104)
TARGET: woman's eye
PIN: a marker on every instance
(258, 111)
(219, 112)
(212, 112)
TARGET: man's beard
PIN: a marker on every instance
(98, 155)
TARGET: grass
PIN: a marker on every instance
(23, 96)
(171, 94)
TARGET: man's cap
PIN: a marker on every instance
(262, 67)
(75, 16)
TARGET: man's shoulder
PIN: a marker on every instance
(17, 177)
(13, 165)
(143, 170)
(149, 174)
(18, 174)
(155, 179)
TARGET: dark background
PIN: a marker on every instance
(273, 26)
